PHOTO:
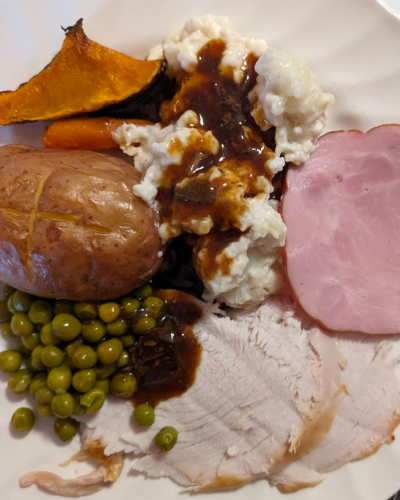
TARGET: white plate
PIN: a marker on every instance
(353, 46)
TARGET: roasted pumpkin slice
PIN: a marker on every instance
(83, 77)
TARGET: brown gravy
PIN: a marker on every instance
(166, 358)
(223, 108)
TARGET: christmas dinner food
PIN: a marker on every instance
(222, 305)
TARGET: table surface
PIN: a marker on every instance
(394, 7)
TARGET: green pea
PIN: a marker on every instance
(40, 312)
(45, 410)
(69, 364)
(47, 336)
(93, 400)
(59, 379)
(123, 359)
(109, 311)
(6, 329)
(144, 415)
(66, 428)
(39, 380)
(31, 368)
(153, 304)
(21, 325)
(105, 371)
(36, 358)
(19, 381)
(109, 351)
(23, 419)
(83, 380)
(123, 385)
(79, 409)
(31, 341)
(143, 292)
(93, 331)
(143, 324)
(63, 405)
(25, 352)
(10, 305)
(5, 314)
(44, 395)
(10, 361)
(129, 306)
(8, 290)
(52, 356)
(63, 306)
(85, 311)
(117, 327)
(166, 438)
(128, 340)
(66, 327)
(22, 301)
(104, 385)
(84, 357)
(72, 346)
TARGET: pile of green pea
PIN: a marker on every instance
(70, 355)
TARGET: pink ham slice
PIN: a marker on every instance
(342, 212)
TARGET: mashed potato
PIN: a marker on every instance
(180, 48)
(287, 96)
(159, 147)
(255, 271)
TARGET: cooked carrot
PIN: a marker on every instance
(94, 134)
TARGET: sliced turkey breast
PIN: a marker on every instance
(76, 487)
(274, 397)
(367, 417)
(266, 393)
(108, 470)
(341, 209)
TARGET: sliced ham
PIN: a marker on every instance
(342, 212)
(266, 393)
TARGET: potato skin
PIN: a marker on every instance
(70, 226)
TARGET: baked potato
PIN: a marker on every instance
(70, 226)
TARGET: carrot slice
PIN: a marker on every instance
(94, 134)
(83, 77)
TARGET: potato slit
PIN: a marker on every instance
(74, 219)
(58, 217)
(12, 211)
(32, 219)
(97, 229)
